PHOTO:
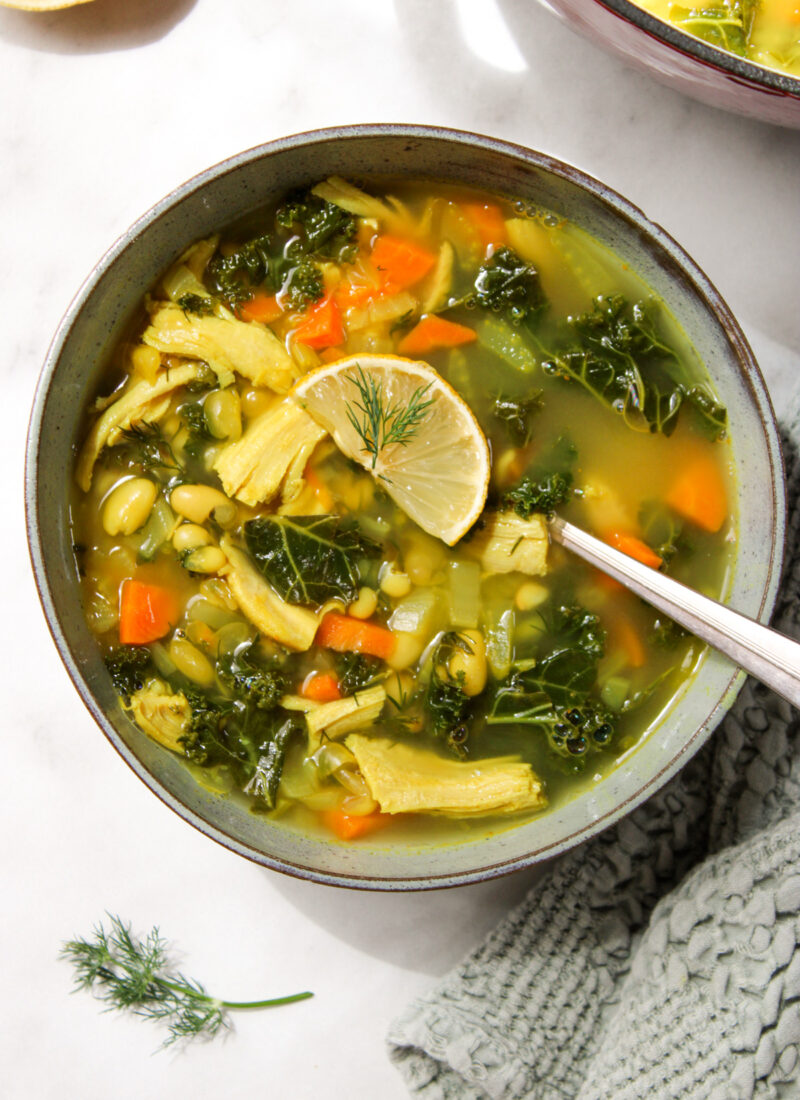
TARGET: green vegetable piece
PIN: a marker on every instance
(448, 704)
(144, 447)
(507, 284)
(309, 559)
(235, 276)
(128, 666)
(355, 671)
(135, 975)
(516, 414)
(250, 682)
(197, 304)
(508, 342)
(194, 418)
(303, 285)
(322, 227)
(547, 485)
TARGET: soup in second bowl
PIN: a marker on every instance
(310, 509)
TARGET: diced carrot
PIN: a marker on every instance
(322, 326)
(146, 612)
(330, 355)
(434, 332)
(400, 263)
(321, 490)
(350, 826)
(634, 547)
(488, 220)
(261, 307)
(602, 580)
(322, 687)
(346, 634)
(626, 637)
(698, 493)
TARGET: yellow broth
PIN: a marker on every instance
(621, 478)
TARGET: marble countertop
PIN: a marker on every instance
(105, 109)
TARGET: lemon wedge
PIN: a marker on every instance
(409, 428)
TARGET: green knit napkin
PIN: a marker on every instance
(658, 960)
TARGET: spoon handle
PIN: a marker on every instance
(771, 657)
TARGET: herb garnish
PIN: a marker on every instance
(382, 423)
(132, 974)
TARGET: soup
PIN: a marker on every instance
(310, 509)
(764, 31)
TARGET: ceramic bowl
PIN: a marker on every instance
(227, 192)
(684, 62)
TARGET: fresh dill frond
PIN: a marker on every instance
(381, 423)
(135, 975)
(144, 443)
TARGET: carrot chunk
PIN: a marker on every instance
(488, 220)
(261, 307)
(626, 637)
(146, 612)
(321, 687)
(634, 547)
(322, 325)
(346, 634)
(400, 263)
(434, 332)
(350, 827)
(698, 493)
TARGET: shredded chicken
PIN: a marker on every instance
(142, 402)
(340, 717)
(409, 779)
(271, 455)
(284, 622)
(506, 543)
(225, 343)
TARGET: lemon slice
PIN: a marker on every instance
(404, 424)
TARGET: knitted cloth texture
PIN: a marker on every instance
(660, 959)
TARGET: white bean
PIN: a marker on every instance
(189, 536)
(197, 502)
(188, 659)
(128, 506)
(223, 412)
(205, 559)
(394, 582)
(364, 606)
(471, 664)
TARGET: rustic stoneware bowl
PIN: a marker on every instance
(684, 62)
(98, 316)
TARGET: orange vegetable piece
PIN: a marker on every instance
(434, 332)
(261, 307)
(350, 826)
(346, 634)
(488, 220)
(634, 547)
(330, 355)
(322, 325)
(625, 635)
(698, 493)
(146, 612)
(400, 263)
(322, 687)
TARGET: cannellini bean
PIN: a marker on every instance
(424, 559)
(145, 361)
(364, 606)
(205, 559)
(407, 650)
(472, 665)
(399, 687)
(128, 506)
(198, 502)
(189, 536)
(188, 659)
(530, 595)
(394, 582)
(223, 411)
(255, 402)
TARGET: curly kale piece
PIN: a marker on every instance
(355, 671)
(197, 304)
(322, 228)
(547, 485)
(449, 706)
(507, 284)
(194, 418)
(250, 681)
(128, 666)
(236, 275)
(303, 285)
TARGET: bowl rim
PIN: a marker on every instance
(741, 69)
(622, 208)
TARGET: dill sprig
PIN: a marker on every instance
(135, 975)
(382, 423)
(145, 444)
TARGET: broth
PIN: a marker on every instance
(269, 612)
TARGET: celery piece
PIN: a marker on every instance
(418, 613)
(615, 691)
(498, 638)
(508, 343)
(159, 528)
(464, 593)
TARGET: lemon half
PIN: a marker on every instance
(439, 472)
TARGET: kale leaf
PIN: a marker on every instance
(446, 701)
(322, 227)
(309, 559)
(506, 284)
(249, 681)
(236, 275)
(128, 666)
(355, 671)
(197, 304)
(547, 485)
(303, 284)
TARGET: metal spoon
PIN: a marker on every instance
(771, 657)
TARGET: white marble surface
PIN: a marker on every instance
(104, 109)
